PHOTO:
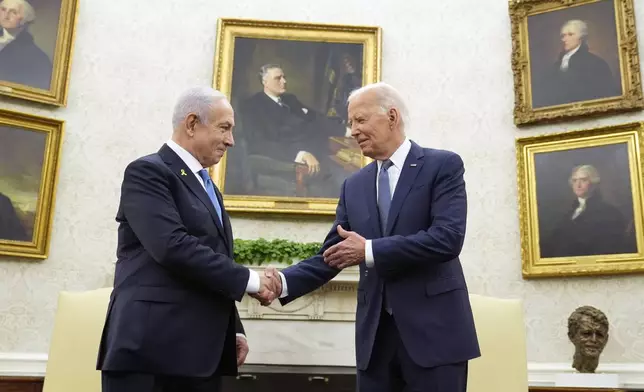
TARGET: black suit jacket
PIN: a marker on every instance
(280, 132)
(172, 310)
(588, 77)
(21, 61)
(10, 226)
(600, 229)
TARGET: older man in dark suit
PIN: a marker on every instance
(277, 125)
(577, 75)
(402, 220)
(172, 324)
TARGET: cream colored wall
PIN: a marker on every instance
(451, 61)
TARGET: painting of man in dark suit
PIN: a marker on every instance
(25, 41)
(291, 118)
(597, 220)
(583, 63)
(22, 155)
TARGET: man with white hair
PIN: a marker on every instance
(172, 324)
(591, 225)
(401, 219)
(21, 60)
(578, 74)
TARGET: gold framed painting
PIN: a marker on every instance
(288, 83)
(29, 158)
(574, 58)
(36, 42)
(581, 202)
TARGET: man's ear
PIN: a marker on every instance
(191, 123)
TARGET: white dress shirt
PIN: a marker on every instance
(566, 59)
(398, 161)
(194, 166)
(5, 38)
(580, 209)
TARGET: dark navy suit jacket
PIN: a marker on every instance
(417, 259)
(172, 310)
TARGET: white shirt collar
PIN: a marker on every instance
(400, 155)
(6, 38)
(187, 158)
(566, 58)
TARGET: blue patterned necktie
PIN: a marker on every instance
(210, 189)
(384, 202)
(384, 194)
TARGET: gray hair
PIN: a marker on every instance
(27, 11)
(388, 97)
(263, 70)
(198, 100)
(579, 25)
(589, 170)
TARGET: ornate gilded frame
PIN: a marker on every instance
(631, 99)
(57, 93)
(533, 265)
(38, 248)
(228, 30)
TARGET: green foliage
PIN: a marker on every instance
(261, 251)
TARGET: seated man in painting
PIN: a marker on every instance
(275, 124)
(21, 60)
(591, 226)
(11, 228)
(577, 75)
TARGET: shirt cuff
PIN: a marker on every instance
(284, 287)
(299, 157)
(241, 335)
(368, 254)
(253, 282)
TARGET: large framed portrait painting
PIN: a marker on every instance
(288, 84)
(29, 156)
(36, 40)
(581, 202)
(574, 58)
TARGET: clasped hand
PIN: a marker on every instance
(270, 287)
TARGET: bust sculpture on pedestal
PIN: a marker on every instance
(588, 332)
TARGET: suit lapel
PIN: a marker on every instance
(190, 180)
(413, 165)
(372, 204)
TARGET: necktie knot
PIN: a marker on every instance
(210, 190)
(203, 173)
(386, 165)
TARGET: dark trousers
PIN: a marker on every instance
(392, 370)
(138, 382)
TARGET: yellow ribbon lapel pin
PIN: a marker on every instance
(183, 172)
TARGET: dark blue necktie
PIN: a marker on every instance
(210, 189)
(384, 194)
(384, 202)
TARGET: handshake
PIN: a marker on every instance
(270, 287)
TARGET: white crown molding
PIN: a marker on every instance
(23, 364)
(631, 375)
